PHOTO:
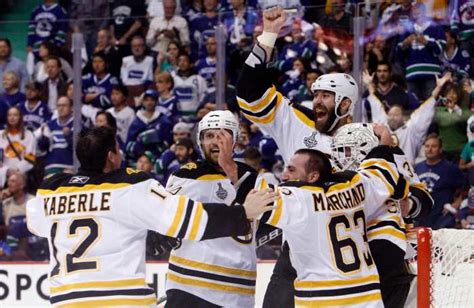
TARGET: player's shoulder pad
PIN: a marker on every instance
(397, 150)
(126, 175)
(381, 152)
(198, 171)
(308, 113)
(243, 167)
(54, 181)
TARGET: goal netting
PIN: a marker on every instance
(445, 266)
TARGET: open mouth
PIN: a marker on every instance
(320, 114)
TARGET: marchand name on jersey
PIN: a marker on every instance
(77, 203)
(339, 200)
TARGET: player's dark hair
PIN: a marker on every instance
(318, 161)
(93, 147)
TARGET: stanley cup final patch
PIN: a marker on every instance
(221, 193)
(311, 141)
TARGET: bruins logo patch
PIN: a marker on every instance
(189, 166)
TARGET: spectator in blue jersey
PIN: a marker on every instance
(54, 86)
(35, 112)
(294, 82)
(421, 48)
(239, 22)
(444, 181)
(150, 130)
(55, 138)
(202, 27)
(126, 21)
(462, 23)
(12, 95)
(455, 58)
(179, 154)
(167, 101)
(48, 22)
(97, 86)
(300, 47)
(11, 63)
(123, 114)
(206, 65)
(305, 96)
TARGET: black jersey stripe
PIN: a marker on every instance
(206, 275)
(95, 293)
(338, 292)
(187, 217)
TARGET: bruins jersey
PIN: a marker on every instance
(221, 271)
(290, 125)
(97, 225)
(325, 227)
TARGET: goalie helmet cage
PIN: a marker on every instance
(445, 266)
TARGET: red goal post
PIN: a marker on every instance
(445, 268)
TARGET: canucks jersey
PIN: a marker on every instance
(190, 91)
(97, 225)
(291, 125)
(169, 106)
(59, 145)
(462, 20)
(91, 84)
(206, 68)
(133, 73)
(36, 116)
(221, 271)
(325, 227)
(47, 22)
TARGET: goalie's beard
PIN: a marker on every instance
(324, 128)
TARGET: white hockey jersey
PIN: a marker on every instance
(133, 73)
(290, 125)
(325, 226)
(221, 271)
(97, 226)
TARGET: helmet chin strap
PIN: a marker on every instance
(338, 117)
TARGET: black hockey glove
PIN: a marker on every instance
(161, 244)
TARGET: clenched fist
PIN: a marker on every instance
(274, 19)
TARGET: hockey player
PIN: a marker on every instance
(220, 272)
(291, 126)
(324, 224)
(96, 222)
(385, 224)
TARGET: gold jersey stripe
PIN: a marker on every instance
(342, 186)
(389, 218)
(378, 174)
(387, 230)
(381, 164)
(348, 301)
(312, 188)
(211, 177)
(300, 115)
(196, 221)
(335, 283)
(212, 268)
(138, 282)
(268, 118)
(210, 285)
(63, 190)
(275, 218)
(177, 217)
(266, 98)
(112, 302)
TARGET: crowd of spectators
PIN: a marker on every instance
(149, 71)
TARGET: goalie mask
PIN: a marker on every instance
(342, 85)
(218, 119)
(350, 145)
